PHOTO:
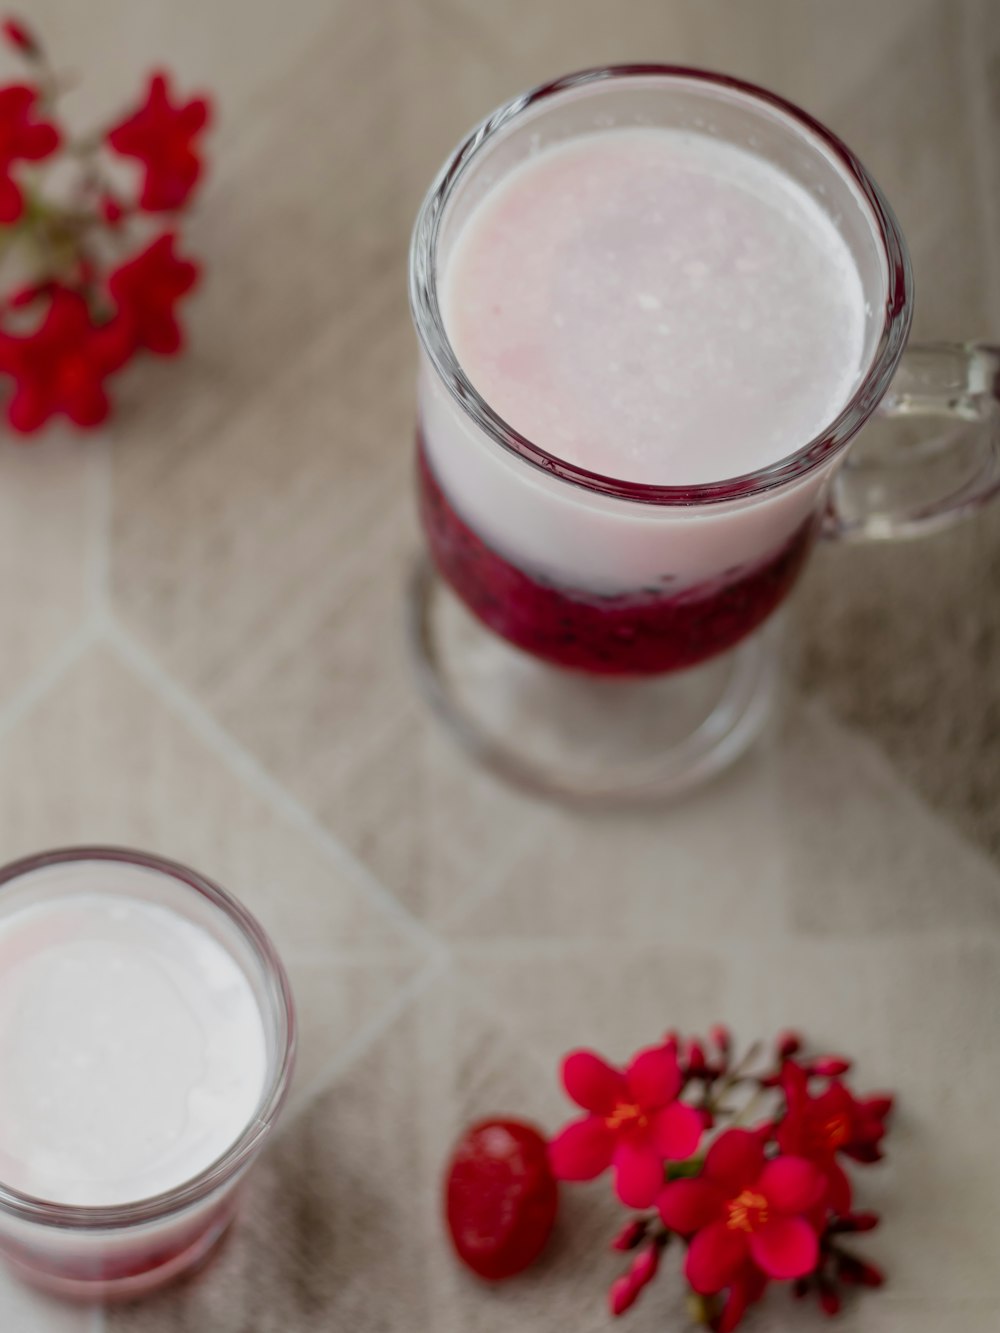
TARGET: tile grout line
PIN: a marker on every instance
(983, 134)
(366, 1036)
(48, 676)
(253, 773)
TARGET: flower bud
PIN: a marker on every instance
(721, 1038)
(25, 296)
(645, 1265)
(856, 1273)
(789, 1044)
(622, 1295)
(20, 38)
(631, 1234)
(695, 1056)
(870, 1276)
(829, 1301)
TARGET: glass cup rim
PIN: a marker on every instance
(30, 1208)
(429, 323)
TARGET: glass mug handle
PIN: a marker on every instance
(902, 479)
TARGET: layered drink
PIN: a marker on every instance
(646, 312)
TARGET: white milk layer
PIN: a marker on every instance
(656, 306)
(132, 1049)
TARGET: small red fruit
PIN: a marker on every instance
(500, 1198)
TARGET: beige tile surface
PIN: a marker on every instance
(53, 519)
(203, 655)
(164, 786)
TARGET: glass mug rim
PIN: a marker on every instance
(97, 1217)
(867, 394)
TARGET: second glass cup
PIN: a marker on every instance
(148, 1034)
(629, 652)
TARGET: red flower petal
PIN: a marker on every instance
(830, 1066)
(28, 409)
(794, 1081)
(88, 406)
(735, 1159)
(112, 344)
(582, 1150)
(835, 1100)
(37, 141)
(714, 1257)
(785, 1247)
(592, 1083)
(791, 1184)
(877, 1107)
(688, 1205)
(677, 1130)
(638, 1173)
(838, 1189)
(16, 99)
(195, 116)
(654, 1077)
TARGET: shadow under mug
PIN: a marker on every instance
(628, 649)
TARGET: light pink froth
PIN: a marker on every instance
(656, 306)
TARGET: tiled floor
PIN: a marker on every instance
(203, 655)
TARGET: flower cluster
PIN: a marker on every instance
(88, 230)
(745, 1169)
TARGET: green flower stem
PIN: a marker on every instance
(715, 1095)
(685, 1170)
(703, 1309)
(752, 1105)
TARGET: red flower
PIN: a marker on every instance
(744, 1209)
(62, 365)
(161, 136)
(634, 1122)
(831, 1123)
(22, 137)
(147, 288)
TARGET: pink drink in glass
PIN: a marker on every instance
(656, 307)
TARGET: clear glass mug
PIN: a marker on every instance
(585, 693)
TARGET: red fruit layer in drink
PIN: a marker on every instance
(631, 634)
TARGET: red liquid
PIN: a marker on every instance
(645, 633)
